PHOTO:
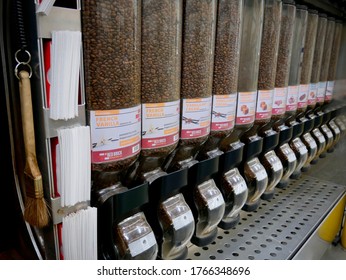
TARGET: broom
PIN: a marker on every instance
(35, 208)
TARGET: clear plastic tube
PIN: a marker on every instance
(225, 82)
(112, 32)
(317, 62)
(268, 62)
(284, 59)
(333, 62)
(296, 62)
(327, 50)
(160, 87)
(266, 85)
(309, 47)
(196, 80)
(252, 23)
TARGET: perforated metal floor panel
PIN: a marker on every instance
(278, 228)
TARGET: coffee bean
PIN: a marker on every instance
(269, 45)
(112, 57)
(227, 47)
(111, 41)
(198, 46)
(161, 57)
(226, 62)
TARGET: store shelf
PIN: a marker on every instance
(280, 227)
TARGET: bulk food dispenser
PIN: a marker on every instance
(322, 86)
(266, 84)
(283, 150)
(202, 195)
(294, 90)
(225, 83)
(305, 77)
(160, 87)
(303, 96)
(113, 98)
(314, 85)
(168, 213)
(306, 148)
(331, 81)
(250, 167)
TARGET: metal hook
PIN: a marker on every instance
(22, 62)
(25, 64)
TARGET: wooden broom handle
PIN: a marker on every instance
(27, 114)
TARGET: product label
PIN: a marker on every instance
(292, 96)
(240, 187)
(264, 104)
(261, 174)
(223, 113)
(321, 91)
(321, 139)
(142, 244)
(279, 101)
(258, 169)
(312, 94)
(183, 220)
(215, 202)
(277, 165)
(330, 90)
(313, 144)
(160, 124)
(286, 150)
(303, 96)
(196, 118)
(303, 150)
(317, 133)
(237, 181)
(246, 107)
(300, 146)
(327, 131)
(334, 127)
(291, 157)
(115, 134)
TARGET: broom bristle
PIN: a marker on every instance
(36, 212)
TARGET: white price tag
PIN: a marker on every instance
(291, 157)
(313, 144)
(142, 244)
(321, 139)
(215, 202)
(240, 188)
(261, 174)
(303, 150)
(277, 165)
(183, 220)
